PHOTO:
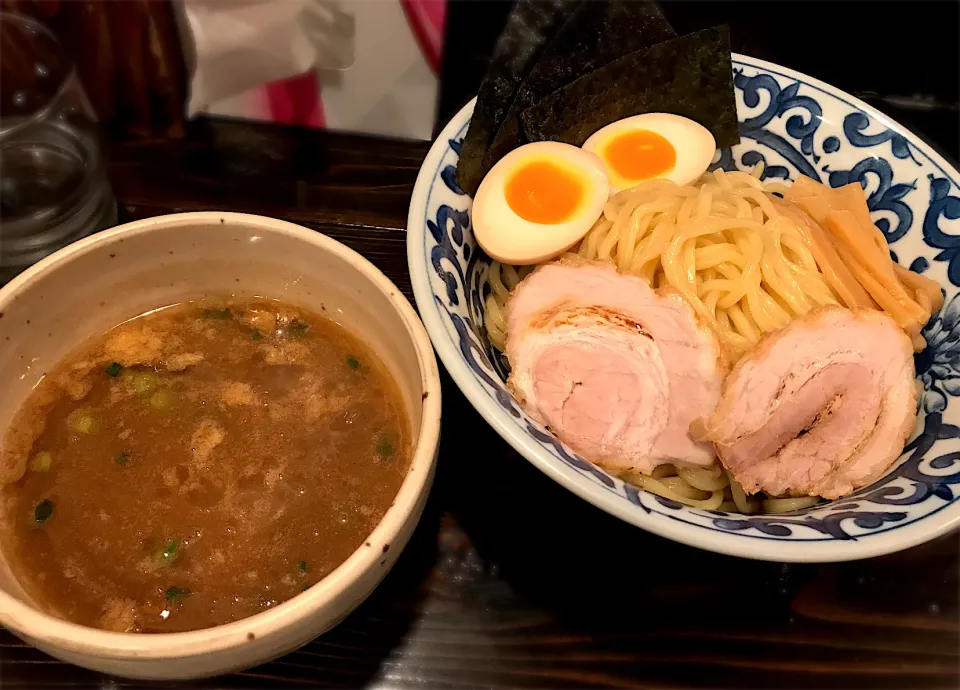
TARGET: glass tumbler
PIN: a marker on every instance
(53, 184)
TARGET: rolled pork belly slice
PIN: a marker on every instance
(820, 408)
(615, 370)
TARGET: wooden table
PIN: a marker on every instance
(519, 583)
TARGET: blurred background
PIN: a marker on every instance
(129, 59)
(366, 66)
(401, 68)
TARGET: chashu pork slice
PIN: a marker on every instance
(820, 408)
(615, 370)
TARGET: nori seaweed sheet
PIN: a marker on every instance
(531, 24)
(596, 34)
(690, 76)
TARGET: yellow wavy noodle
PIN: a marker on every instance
(743, 266)
(502, 279)
(712, 489)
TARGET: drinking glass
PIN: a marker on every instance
(53, 184)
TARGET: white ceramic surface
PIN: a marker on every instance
(94, 284)
(795, 125)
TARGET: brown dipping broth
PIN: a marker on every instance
(198, 465)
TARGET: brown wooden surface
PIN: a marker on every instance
(510, 580)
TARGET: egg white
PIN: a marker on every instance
(511, 239)
(693, 143)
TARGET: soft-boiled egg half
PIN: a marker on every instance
(653, 146)
(538, 201)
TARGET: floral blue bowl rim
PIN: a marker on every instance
(795, 125)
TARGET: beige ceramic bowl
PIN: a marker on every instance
(94, 284)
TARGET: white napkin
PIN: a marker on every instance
(235, 45)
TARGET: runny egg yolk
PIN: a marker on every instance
(640, 155)
(543, 192)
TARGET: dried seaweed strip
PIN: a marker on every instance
(529, 27)
(690, 76)
(596, 34)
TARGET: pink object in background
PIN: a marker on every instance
(296, 101)
(427, 19)
(376, 64)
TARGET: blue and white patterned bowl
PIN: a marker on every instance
(796, 125)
